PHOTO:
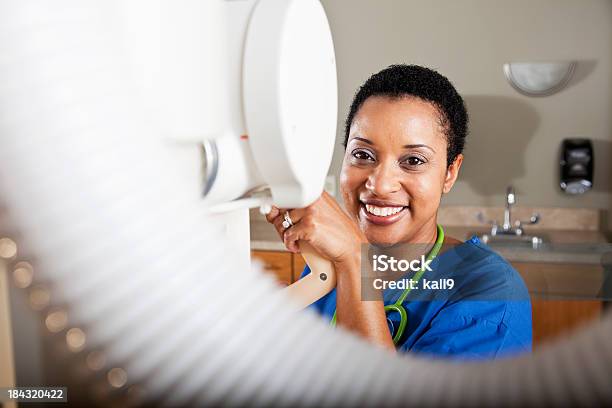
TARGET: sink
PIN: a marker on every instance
(502, 240)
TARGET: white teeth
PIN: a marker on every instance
(382, 211)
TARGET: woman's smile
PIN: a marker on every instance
(380, 213)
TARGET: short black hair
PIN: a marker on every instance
(397, 81)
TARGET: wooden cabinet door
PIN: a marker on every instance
(562, 297)
(553, 319)
(277, 263)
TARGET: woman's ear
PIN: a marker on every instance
(451, 174)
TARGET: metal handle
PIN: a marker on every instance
(321, 281)
(535, 218)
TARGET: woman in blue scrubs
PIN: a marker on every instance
(404, 139)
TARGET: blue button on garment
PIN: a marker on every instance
(487, 314)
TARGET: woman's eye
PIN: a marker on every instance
(362, 155)
(414, 161)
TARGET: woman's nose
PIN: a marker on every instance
(384, 180)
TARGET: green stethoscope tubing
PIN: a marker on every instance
(397, 306)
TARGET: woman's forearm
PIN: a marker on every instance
(366, 318)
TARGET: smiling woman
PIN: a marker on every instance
(404, 138)
(395, 169)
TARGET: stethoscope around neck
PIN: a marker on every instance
(398, 331)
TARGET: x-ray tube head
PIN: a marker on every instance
(290, 97)
(281, 54)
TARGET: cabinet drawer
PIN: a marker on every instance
(277, 263)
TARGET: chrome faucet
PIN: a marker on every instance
(508, 227)
(510, 200)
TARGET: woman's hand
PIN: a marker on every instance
(336, 237)
(324, 225)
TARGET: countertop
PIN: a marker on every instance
(585, 246)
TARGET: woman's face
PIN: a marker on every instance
(394, 170)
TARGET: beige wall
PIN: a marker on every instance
(514, 139)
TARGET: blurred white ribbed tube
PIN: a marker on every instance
(109, 214)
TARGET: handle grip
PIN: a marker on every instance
(320, 281)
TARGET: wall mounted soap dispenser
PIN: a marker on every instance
(576, 166)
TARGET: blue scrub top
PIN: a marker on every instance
(487, 314)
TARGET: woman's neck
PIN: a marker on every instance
(426, 235)
(420, 244)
